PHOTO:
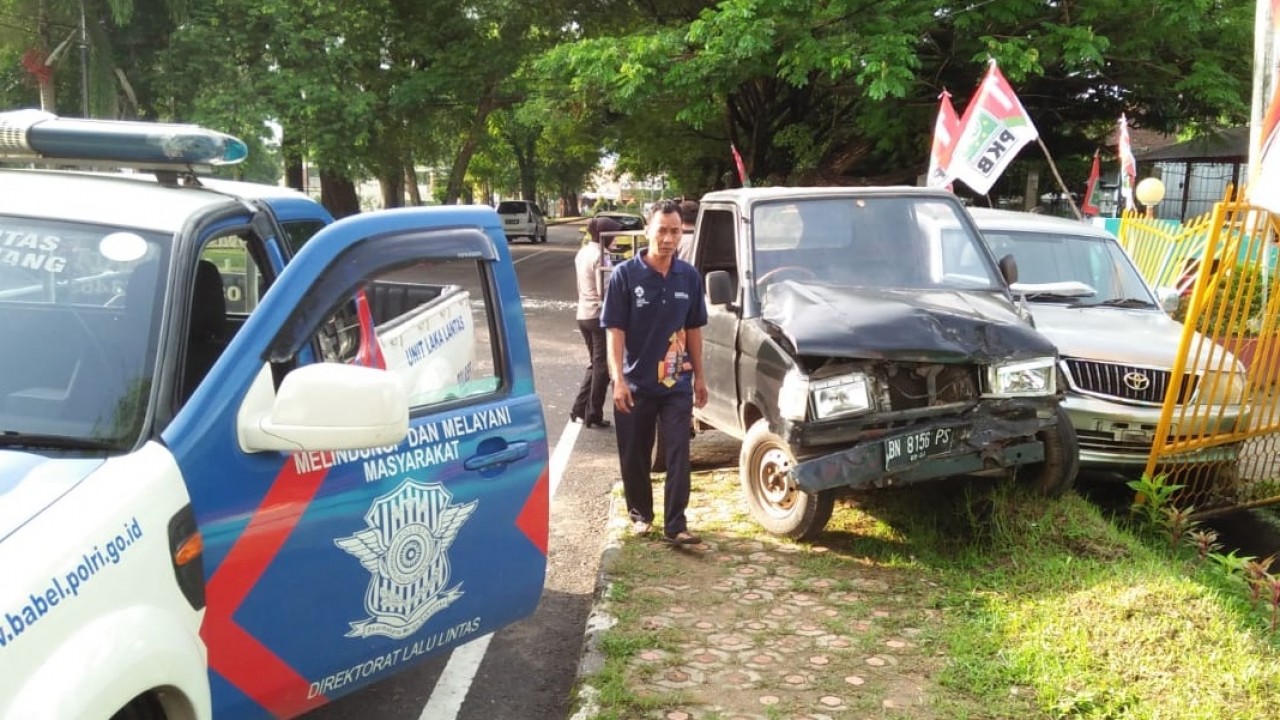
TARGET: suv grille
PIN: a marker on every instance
(1126, 382)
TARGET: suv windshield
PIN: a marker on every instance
(876, 241)
(1097, 262)
(79, 332)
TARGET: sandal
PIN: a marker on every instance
(684, 537)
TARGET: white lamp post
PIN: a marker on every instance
(1150, 192)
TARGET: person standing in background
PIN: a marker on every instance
(688, 221)
(654, 311)
(588, 407)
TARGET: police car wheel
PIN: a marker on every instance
(775, 502)
(1056, 474)
(145, 707)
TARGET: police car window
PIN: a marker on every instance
(430, 323)
(242, 280)
(297, 233)
(78, 308)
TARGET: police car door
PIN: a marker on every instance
(329, 569)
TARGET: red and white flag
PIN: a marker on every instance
(1088, 208)
(1128, 165)
(742, 169)
(994, 128)
(946, 131)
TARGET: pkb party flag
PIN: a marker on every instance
(946, 130)
(994, 128)
(1088, 207)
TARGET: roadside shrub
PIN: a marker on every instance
(1226, 286)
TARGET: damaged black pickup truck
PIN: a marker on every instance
(857, 340)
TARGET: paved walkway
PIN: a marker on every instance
(742, 627)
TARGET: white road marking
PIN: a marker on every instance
(526, 257)
(560, 456)
(455, 682)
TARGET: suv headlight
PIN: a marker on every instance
(842, 395)
(1221, 387)
(1023, 378)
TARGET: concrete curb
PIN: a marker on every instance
(600, 619)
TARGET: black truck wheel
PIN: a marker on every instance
(773, 499)
(1056, 474)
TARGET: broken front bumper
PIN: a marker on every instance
(928, 451)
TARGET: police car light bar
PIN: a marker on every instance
(37, 134)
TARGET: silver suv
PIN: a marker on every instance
(523, 218)
(1115, 337)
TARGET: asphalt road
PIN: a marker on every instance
(527, 671)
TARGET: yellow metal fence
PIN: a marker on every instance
(1219, 432)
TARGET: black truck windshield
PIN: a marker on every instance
(870, 241)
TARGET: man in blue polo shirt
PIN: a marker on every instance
(654, 311)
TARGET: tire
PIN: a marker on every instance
(1056, 474)
(543, 237)
(780, 507)
(144, 707)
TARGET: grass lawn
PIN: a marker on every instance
(942, 601)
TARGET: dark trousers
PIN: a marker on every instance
(589, 404)
(672, 415)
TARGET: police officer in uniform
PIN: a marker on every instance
(654, 311)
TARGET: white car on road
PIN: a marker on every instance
(523, 218)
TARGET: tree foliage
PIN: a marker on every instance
(523, 99)
(840, 91)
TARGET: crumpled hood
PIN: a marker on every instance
(30, 483)
(903, 325)
(1118, 335)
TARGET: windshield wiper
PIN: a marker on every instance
(1122, 303)
(1053, 297)
(13, 438)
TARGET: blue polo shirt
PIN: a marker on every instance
(654, 312)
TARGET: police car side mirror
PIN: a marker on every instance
(325, 406)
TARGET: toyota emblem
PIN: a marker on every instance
(1137, 381)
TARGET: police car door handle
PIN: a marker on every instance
(509, 454)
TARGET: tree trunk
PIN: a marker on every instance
(462, 159)
(569, 202)
(292, 151)
(411, 183)
(527, 161)
(338, 195)
(392, 183)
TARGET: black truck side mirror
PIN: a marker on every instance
(719, 287)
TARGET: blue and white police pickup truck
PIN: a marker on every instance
(236, 481)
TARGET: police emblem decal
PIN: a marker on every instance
(405, 548)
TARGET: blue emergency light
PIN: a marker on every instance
(38, 134)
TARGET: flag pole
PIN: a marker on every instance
(1058, 177)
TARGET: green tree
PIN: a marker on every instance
(840, 91)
